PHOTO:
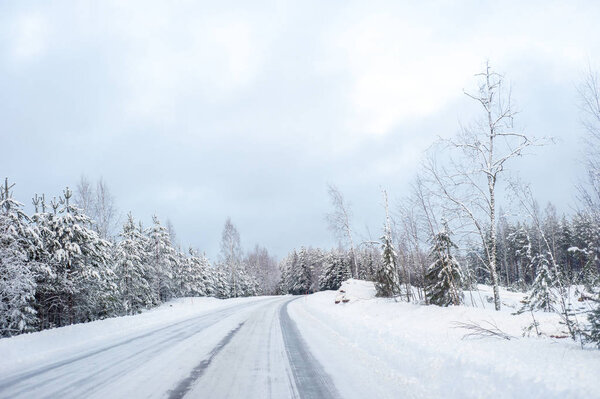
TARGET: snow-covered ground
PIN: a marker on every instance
(416, 351)
(45, 346)
(301, 347)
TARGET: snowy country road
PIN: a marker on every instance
(248, 350)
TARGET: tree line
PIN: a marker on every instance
(448, 233)
(58, 266)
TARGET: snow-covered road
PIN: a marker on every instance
(300, 347)
(250, 350)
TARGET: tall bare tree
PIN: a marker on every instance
(84, 195)
(339, 222)
(99, 204)
(478, 157)
(589, 93)
(105, 210)
(231, 255)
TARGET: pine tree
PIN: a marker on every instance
(221, 284)
(131, 270)
(542, 295)
(300, 277)
(17, 279)
(593, 331)
(335, 271)
(444, 277)
(521, 251)
(198, 278)
(162, 259)
(387, 283)
(84, 285)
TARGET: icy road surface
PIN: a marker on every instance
(247, 350)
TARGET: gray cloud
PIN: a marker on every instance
(200, 111)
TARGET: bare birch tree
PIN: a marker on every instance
(339, 222)
(589, 94)
(105, 213)
(99, 204)
(470, 181)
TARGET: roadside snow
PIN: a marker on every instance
(59, 343)
(415, 351)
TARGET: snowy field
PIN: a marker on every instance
(415, 351)
(307, 347)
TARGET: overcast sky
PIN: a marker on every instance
(197, 111)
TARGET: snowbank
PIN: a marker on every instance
(418, 351)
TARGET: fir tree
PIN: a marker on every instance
(161, 260)
(335, 271)
(593, 331)
(300, 278)
(17, 279)
(387, 283)
(194, 278)
(84, 285)
(542, 295)
(444, 277)
(131, 270)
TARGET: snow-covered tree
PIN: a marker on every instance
(221, 288)
(387, 283)
(17, 270)
(161, 260)
(335, 271)
(300, 274)
(231, 258)
(444, 277)
(519, 245)
(264, 269)
(542, 295)
(84, 286)
(593, 331)
(131, 269)
(191, 275)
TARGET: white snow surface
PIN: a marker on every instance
(366, 347)
(26, 350)
(415, 351)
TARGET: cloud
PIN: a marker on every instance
(175, 55)
(398, 71)
(29, 34)
(409, 62)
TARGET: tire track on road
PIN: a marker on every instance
(185, 385)
(312, 382)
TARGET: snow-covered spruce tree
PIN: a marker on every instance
(300, 278)
(286, 266)
(161, 260)
(387, 283)
(221, 288)
(17, 270)
(585, 249)
(131, 270)
(192, 276)
(47, 291)
(592, 333)
(369, 260)
(84, 286)
(542, 295)
(335, 271)
(520, 246)
(444, 278)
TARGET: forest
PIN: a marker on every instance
(466, 221)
